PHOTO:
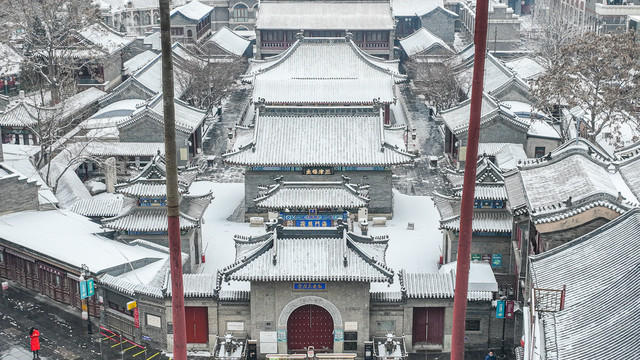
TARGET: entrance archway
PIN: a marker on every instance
(310, 325)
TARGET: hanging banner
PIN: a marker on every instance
(500, 305)
(509, 309)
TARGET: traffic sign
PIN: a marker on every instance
(83, 289)
(90, 289)
(500, 309)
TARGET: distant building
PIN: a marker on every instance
(503, 28)
(144, 212)
(191, 23)
(411, 15)
(279, 22)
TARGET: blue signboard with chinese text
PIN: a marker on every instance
(496, 260)
(90, 289)
(83, 289)
(309, 286)
(500, 309)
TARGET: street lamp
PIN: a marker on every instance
(84, 275)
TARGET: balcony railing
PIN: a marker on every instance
(378, 45)
(277, 45)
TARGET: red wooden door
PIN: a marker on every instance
(310, 325)
(197, 323)
(435, 325)
(428, 325)
(419, 325)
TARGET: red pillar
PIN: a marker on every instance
(468, 190)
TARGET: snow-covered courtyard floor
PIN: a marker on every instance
(415, 250)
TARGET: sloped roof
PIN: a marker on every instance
(422, 40)
(525, 67)
(137, 62)
(10, 60)
(577, 177)
(194, 10)
(25, 114)
(314, 255)
(313, 195)
(488, 192)
(349, 138)
(417, 7)
(230, 41)
(496, 76)
(457, 118)
(152, 179)
(320, 15)
(320, 71)
(195, 285)
(107, 39)
(139, 219)
(187, 118)
(500, 222)
(630, 170)
(97, 207)
(579, 331)
(441, 284)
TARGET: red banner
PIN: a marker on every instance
(509, 310)
(136, 318)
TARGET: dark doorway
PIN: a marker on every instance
(310, 325)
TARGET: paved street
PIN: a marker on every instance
(63, 333)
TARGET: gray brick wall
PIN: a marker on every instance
(380, 192)
(149, 130)
(440, 24)
(350, 298)
(17, 194)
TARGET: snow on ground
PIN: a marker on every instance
(415, 250)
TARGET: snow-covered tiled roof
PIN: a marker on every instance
(312, 195)
(525, 67)
(630, 171)
(146, 188)
(151, 74)
(509, 156)
(366, 145)
(499, 222)
(497, 76)
(97, 207)
(63, 231)
(187, 119)
(488, 192)
(543, 129)
(447, 206)
(137, 62)
(153, 40)
(196, 285)
(321, 71)
(575, 176)
(194, 10)
(441, 284)
(25, 114)
(417, 7)
(457, 118)
(429, 285)
(580, 330)
(234, 295)
(106, 38)
(422, 40)
(303, 255)
(324, 15)
(230, 41)
(146, 220)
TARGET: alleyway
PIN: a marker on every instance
(418, 179)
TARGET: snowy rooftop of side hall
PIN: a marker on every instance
(415, 250)
(70, 238)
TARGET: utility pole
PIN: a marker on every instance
(173, 210)
(468, 189)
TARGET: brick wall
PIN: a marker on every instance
(17, 194)
(380, 192)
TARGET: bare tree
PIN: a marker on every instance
(553, 28)
(44, 30)
(206, 82)
(599, 73)
(438, 83)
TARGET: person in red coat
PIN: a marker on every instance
(35, 342)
